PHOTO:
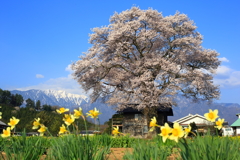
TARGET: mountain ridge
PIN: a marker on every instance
(66, 100)
(52, 97)
(227, 111)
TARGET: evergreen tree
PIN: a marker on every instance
(30, 103)
(38, 105)
(1, 93)
(5, 96)
(46, 107)
(16, 100)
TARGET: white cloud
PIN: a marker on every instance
(223, 59)
(231, 80)
(223, 70)
(62, 83)
(69, 68)
(67, 84)
(227, 77)
(39, 76)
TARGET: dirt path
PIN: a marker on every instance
(118, 153)
(115, 154)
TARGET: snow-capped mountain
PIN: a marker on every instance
(61, 98)
(67, 100)
(52, 97)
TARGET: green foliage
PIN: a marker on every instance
(27, 114)
(16, 100)
(209, 148)
(38, 105)
(25, 148)
(10, 99)
(122, 142)
(78, 147)
(151, 149)
(30, 103)
(50, 119)
(73, 146)
(46, 107)
(5, 96)
(6, 112)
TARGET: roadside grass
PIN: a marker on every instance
(97, 147)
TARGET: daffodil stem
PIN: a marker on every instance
(49, 132)
(68, 129)
(95, 124)
(185, 141)
(85, 123)
(98, 124)
(76, 127)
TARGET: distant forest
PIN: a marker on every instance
(11, 103)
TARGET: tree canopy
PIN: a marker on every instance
(144, 58)
(13, 99)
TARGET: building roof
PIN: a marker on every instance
(2, 123)
(167, 110)
(236, 123)
(189, 116)
(198, 119)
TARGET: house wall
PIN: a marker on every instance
(238, 131)
(136, 125)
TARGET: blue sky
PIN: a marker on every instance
(39, 39)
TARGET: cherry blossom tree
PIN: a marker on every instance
(144, 58)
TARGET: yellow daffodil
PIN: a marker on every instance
(187, 131)
(153, 124)
(36, 123)
(177, 132)
(78, 113)
(62, 130)
(219, 123)
(42, 130)
(62, 110)
(212, 115)
(13, 122)
(6, 133)
(0, 115)
(165, 131)
(93, 113)
(115, 131)
(68, 119)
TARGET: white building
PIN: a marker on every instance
(236, 125)
(199, 120)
